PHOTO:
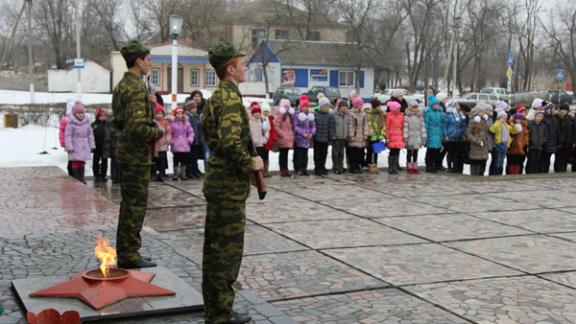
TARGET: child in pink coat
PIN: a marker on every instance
(161, 146)
(182, 137)
(395, 134)
(79, 141)
(283, 124)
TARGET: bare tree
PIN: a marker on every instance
(107, 14)
(562, 39)
(526, 38)
(55, 17)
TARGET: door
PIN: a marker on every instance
(180, 85)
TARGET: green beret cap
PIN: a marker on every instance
(222, 53)
(134, 48)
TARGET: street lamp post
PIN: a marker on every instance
(78, 65)
(175, 30)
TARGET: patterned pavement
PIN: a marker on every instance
(340, 249)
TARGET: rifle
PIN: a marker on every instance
(258, 175)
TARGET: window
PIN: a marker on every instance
(281, 34)
(258, 36)
(155, 77)
(258, 74)
(346, 79)
(313, 36)
(210, 78)
(195, 77)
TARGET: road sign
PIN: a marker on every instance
(509, 73)
(78, 63)
(560, 75)
(510, 60)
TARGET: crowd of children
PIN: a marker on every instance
(515, 139)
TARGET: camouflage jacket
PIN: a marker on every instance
(133, 118)
(226, 130)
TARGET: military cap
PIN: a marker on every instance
(133, 47)
(222, 53)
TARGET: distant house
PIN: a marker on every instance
(194, 70)
(95, 79)
(249, 22)
(305, 64)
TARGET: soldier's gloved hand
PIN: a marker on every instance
(258, 163)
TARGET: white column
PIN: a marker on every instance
(174, 89)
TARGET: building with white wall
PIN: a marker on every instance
(95, 79)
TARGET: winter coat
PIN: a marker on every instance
(357, 129)
(196, 127)
(163, 143)
(324, 126)
(414, 130)
(258, 133)
(182, 135)
(271, 135)
(284, 131)
(395, 129)
(434, 121)
(490, 141)
(113, 140)
(376, 129)
(520, 140)
(496, 129)
(537, 135)
(79, 139)
(304, 127)
(102, 137)
(63, 122)
(552, 133)
(566, 131)
(341, 121)
(454, 126)
(478, 135)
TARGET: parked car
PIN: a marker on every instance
(501, 93)
(331, 93)
(290, 93)
(386, 94)
(472, 99)
(559, 97)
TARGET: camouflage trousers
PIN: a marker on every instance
(223, 249)
(134, 191)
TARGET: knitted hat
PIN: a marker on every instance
(304, 102)
(323, 101)
(413, 103)
(357, 101)
(284, 103)
(190, 104)
(266, 108)
(521, 109)
(501, 106)
(78, 108)
(255, 108)
(518, 116)
(564, 106)
(177, 110)
(441, 96)
(433, 101)
(342, 103)
(397, 93)
(159, 109)
(476, 111)
(502, 114)
(537, 103)
(393, 105)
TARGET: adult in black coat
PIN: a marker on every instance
(566, 140)
(552, 137)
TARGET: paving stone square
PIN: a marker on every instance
(374, 306)
(343, 233)
(268, 212)
(299, 274)
(476, 203)
(450, 227)
(532, 254)
(536, 220)
(504, 300)
(416, 264)
(257, 240)
(336, 249)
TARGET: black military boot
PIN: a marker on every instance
(239, 318)
(140, 263)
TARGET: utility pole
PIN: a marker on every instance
(78, 54)
(30, 59)
(455, 68)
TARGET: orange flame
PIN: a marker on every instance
(105, 254)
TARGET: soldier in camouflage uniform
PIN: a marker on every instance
(226, 185)
(133, 118)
